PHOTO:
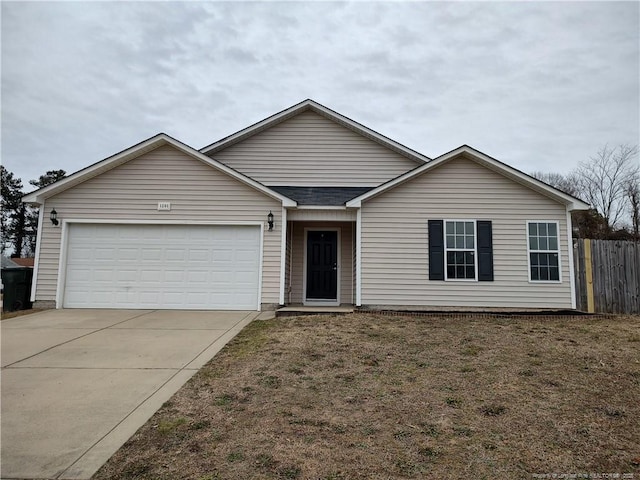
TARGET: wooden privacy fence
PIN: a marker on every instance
(607, 276)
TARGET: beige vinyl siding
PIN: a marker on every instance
(131, 192)
(395, 240)
(311, 150)
(346, 261)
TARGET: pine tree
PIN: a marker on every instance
(13, 213)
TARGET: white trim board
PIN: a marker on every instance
(163, 222)
(283, 254)
(64, 241)
(36, 261)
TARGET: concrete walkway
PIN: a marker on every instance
(76, 384)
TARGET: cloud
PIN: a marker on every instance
(538, 85)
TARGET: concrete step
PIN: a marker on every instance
(295, 311)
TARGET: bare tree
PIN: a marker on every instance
(604, 179)
(567, 183)
(633, 194)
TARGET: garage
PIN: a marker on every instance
(162, 266)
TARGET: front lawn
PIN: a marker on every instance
(369, 396)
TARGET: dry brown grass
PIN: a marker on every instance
(366, 396)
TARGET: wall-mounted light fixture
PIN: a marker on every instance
(270, 220)
(53, 216)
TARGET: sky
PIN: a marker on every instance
(538, 85)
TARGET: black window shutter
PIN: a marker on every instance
(436, 250)
(485, 251)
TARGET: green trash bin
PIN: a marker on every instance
(17, 288)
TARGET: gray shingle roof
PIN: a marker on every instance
(327, 196)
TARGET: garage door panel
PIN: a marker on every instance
(152, 254)
(243, 265)
(128, 254)
(122, 275)
(103, 298)
(199, 255)
(126, 297)
(79, 275)
(151, 277)
(177, 235)
(176, 255)
(195, 278)
(244, 277)
(131, 232)
(197, 297)
(222, 255)
(162, 266)
(80, 254)
(174, 276)
(104, 274)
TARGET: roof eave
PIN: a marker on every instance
(578, 205)
(571, 203)
(39, 196)
(324, 111)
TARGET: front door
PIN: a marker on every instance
(322, 265)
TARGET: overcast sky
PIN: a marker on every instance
(537, 85)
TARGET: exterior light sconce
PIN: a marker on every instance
(53, 216)
(270, 220)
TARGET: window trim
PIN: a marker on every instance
(558, 251)
(446, 250)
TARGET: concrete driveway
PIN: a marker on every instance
(76, 384)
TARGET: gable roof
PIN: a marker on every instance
(326, 196)
(514, 174)
(161, 139)
(310, 105)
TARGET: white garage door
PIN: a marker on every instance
(162, 266)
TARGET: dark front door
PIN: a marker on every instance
(322, 265)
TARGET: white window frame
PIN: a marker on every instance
(530, 251)
(475, 251)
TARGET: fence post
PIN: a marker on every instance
(588, 268)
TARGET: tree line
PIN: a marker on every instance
(19, 220)
(610, 182)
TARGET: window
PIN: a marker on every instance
(544, 252)
(460, 250)
(469, 249)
